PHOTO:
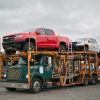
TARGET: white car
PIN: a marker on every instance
(87, 44)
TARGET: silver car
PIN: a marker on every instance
(87, 44)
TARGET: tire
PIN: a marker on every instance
(93, 81)
(86, 81)
(99, 54)
(79, 49)
(36, 85)
(45, 86)
(11, 89)
(62, 48)
(10, 52)
(86, 48)
(26, 46)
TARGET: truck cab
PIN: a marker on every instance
(17, 76)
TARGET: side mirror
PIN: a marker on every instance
(49, 61)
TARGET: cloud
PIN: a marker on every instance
(73, 18)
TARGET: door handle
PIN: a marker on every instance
(47, 38)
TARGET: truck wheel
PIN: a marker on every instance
(26, 46)
(93, 81)
(10, 52)
(86, 48)
(36, 85)
(62, 48)
(86, 81)
(11, 89)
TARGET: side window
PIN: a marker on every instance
(90, 41)
(94, 41)
(49, 32)
(41, 31)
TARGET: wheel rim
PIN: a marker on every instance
(36, 86)
(86, 48)
(93, 81)
(86, 81)
(32, 47)
(62, 48)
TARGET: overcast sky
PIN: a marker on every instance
(73, 18)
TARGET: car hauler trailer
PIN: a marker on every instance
(34, 70)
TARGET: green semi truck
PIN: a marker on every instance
(34, 70)
(16, 75)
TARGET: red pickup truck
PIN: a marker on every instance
(40, 38)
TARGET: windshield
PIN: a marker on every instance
(35, 60)
(22, 61)
(30, 30)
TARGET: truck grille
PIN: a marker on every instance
(8, 38)
(14, 74)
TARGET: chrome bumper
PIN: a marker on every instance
(15, 85)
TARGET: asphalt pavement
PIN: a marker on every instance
(91, 92)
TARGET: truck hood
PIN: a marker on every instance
(14, 34)
(23, 33)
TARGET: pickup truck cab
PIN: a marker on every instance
(36, 38)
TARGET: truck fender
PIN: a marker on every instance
(37, 75)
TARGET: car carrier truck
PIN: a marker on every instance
(33, 70)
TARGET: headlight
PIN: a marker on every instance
(4, 75)
(26, 76)
(18, 36)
